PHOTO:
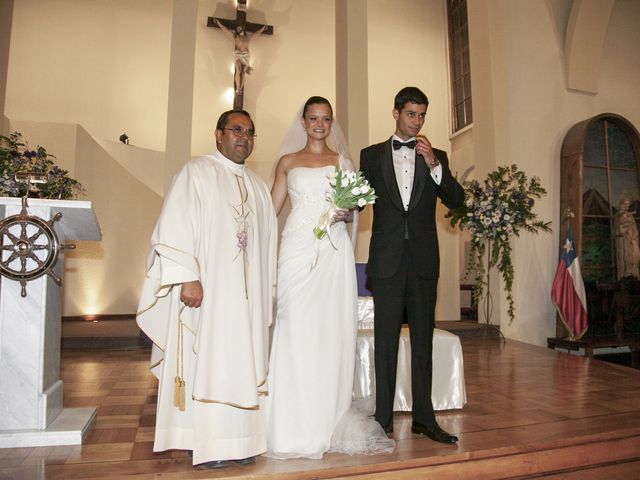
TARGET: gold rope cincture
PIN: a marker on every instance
(244, 195)
(178, 389)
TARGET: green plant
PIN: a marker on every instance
(15, 157)
(492, 214)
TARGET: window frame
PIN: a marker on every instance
(459, 65)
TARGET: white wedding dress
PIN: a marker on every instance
(313, 352)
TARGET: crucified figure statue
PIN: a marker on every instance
(242, 32)
(241, 52)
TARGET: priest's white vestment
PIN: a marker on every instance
(217, 226)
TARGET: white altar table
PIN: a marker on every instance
(448, 387)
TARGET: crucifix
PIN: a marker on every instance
(242, 31)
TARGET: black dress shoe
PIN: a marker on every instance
(435, 433)
(246, 461)
(215, 464)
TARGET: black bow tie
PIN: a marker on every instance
(410, 144)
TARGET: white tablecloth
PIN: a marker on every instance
(448, 390)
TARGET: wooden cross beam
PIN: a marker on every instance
(242, 31)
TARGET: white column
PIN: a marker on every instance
(181, 72)
(352, 74)
(6, 19)
(352, 93)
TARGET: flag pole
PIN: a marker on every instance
(568, 215)
(568, 292)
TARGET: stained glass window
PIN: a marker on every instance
(610, 174)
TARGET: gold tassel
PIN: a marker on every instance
(178, 394)
(178, 387)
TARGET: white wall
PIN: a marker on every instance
(407, 47)
(522, 114)
(102, 277)
(298, 61)
(100, 64)
(6, 17)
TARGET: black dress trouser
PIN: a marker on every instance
(391, 296)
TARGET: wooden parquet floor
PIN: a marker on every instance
(531, 412)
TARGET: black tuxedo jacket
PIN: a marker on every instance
(392, 225)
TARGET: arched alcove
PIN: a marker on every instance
(600, 165)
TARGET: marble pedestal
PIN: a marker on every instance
(31, 410)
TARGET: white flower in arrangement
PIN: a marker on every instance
(349, 190)
(332, 178)
(16, 156)
(492, 213)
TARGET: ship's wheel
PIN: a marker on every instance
(29, 247)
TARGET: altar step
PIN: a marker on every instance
(107, 343)
(117, 332)
(469, 328)
(612, 454)
(616, 451)
(123, 333)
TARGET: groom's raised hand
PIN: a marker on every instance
(424, 148)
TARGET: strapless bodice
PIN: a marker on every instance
(308, 191)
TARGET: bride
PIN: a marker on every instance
(313, 351)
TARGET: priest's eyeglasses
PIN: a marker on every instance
(241, 132)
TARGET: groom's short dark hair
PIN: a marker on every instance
(410, 94)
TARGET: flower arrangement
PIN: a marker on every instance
(492, 214)
(349, 189)
(16, 156)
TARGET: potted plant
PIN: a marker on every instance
(17, 157)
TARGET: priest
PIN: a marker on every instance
(207, 303)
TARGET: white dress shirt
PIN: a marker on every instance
(404, 165)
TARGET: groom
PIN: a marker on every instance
(408, 176)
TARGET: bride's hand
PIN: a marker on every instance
(342, 215)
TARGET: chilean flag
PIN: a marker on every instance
(567, 291)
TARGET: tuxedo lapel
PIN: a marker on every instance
(419, 180)
(389, 175)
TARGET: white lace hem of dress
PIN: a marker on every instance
(356, 433)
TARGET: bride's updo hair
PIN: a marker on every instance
(315, 101)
